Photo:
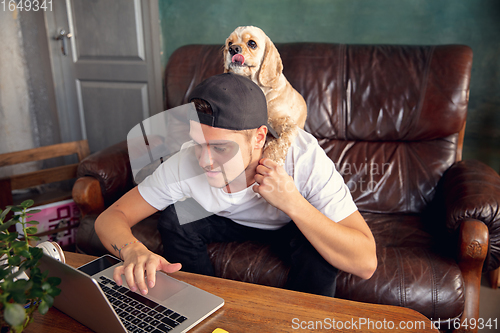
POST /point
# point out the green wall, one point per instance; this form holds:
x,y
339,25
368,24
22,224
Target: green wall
x,y
475,23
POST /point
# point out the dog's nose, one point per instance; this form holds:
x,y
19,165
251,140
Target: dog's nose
x,y
234,49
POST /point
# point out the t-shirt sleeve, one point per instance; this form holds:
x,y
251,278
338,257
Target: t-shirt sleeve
x,y
322,185
163,187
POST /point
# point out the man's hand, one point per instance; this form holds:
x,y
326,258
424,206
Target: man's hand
x,y
138,261
348,245
275,185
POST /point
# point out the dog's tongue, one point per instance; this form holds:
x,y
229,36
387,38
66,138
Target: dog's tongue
x,y
238,58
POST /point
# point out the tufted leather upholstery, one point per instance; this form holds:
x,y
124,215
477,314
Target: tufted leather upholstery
x,y
392,119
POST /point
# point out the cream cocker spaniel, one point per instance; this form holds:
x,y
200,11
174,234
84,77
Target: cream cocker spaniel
x,y
250,52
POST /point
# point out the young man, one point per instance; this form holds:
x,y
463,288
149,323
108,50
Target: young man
x,y
303,208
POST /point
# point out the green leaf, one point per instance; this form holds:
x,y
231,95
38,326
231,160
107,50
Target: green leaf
x,y
4,213
16,209
7,224
54,291
4,237
25,254
6,284
10,237
18,290
14,314
49,300
43,308
35,292
31,230
33,211
54,281
36,271
14,261
19,245
33,222
36,252
19,298
21,285
27,203
29,264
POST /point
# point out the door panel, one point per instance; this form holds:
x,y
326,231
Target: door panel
x,y
110,79
112,109
118,36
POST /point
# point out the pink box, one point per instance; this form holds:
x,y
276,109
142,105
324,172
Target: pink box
x,y
61,217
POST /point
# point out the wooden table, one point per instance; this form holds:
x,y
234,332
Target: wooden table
x,y
253,308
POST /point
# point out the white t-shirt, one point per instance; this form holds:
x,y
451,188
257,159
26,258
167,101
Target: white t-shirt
x,y
313,172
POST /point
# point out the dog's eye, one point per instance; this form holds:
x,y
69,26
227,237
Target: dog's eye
x,y
229,44
252,44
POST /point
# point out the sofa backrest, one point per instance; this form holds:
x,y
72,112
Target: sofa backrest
x,y
390,117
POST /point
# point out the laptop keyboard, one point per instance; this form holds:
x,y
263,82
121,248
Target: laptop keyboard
x,y
138,313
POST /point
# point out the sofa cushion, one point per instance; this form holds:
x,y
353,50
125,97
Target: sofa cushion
x,y
380,92
411,277
392,177
410,272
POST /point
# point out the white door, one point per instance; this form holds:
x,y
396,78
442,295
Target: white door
x,y
105,57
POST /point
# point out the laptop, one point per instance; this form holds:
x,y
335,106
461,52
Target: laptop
x,y
90,296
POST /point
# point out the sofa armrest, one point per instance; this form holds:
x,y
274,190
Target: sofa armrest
x,y
471,191
87,195
111,168
473,249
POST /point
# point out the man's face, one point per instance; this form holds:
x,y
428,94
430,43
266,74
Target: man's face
x,y
223,154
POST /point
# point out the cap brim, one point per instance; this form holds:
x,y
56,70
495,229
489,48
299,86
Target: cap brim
x,y
271,131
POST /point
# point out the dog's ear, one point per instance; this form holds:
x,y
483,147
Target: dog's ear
x,y
224,55
271,66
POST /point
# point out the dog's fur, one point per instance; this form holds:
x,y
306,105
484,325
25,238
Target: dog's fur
x,y
262,64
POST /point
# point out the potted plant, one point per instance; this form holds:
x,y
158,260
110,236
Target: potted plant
x,y
20,295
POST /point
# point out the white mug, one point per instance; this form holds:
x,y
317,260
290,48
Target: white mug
x,y
52,249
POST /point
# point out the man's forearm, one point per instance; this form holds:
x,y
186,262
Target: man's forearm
x,y
113,231
348,245
114,225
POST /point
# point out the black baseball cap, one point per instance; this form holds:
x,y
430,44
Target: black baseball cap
x,y
237,103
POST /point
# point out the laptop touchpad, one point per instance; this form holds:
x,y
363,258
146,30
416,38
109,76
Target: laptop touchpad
x,y
165,287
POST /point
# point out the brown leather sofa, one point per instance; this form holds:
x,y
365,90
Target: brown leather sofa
x,y
392,118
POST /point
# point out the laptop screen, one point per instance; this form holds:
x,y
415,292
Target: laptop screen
x,y
99,265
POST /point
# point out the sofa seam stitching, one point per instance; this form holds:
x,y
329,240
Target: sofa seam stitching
x,y
401,278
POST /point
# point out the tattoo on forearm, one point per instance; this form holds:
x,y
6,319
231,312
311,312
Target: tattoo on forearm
x,y
117,250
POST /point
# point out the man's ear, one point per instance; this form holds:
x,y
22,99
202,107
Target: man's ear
x,y
260,137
